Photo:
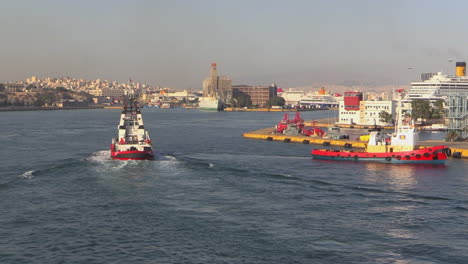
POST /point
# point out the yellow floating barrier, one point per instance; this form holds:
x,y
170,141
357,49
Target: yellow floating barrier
x,y
304,139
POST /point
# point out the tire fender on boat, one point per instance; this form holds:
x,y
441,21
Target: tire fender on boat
x,y
408,157
356,157
426,155
388,158
448,151
398,157
418,156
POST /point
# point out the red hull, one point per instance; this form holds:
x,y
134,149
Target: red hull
x,y
132,155
426,155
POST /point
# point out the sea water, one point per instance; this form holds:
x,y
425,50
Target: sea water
x,y
212,196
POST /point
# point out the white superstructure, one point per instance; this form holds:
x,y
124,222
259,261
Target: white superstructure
x,y
132,134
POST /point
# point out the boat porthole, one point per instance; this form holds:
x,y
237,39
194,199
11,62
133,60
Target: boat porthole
x,y
398,157
408,157
418,156
356,157
388,159
426,155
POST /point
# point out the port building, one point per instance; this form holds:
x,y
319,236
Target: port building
x,y
353,110
259,95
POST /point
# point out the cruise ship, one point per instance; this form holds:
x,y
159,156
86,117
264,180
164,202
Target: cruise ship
x,y
434,86
320,99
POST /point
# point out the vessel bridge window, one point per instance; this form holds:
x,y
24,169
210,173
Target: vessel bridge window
x,y
132,123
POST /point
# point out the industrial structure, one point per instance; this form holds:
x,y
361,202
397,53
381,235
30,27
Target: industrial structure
x,y
259,95
216,86
457,115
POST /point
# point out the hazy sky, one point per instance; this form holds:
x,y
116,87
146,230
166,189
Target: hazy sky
x,y
172,43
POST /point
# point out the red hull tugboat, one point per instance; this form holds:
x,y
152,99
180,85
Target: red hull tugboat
x,y
133,142
400,147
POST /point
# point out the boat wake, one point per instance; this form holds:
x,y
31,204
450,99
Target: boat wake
x,y
160,156
27,175
102,163
99,156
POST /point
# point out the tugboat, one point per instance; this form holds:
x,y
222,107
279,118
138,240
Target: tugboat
x,y
133,142
399,147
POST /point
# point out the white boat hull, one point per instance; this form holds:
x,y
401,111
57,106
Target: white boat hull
x,y
209,104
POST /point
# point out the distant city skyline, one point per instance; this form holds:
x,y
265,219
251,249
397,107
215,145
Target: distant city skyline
x,y
173,43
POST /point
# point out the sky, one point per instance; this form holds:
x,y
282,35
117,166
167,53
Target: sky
x,y
172,43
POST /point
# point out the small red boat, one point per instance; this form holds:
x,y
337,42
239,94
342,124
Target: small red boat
x,y
133,142
399,147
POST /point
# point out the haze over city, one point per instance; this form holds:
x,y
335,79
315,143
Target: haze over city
x,y
172,43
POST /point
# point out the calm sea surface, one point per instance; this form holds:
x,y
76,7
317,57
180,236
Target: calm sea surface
x,y
214,197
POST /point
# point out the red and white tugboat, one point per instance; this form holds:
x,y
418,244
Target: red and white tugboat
x,y
399,147
133,142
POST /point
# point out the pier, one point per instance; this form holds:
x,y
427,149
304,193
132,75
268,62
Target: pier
x,y
458,149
